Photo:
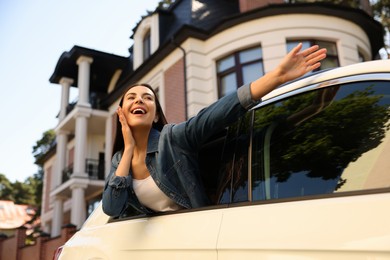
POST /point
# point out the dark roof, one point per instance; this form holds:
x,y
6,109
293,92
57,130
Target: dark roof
x,y
103,67
192,18
200,14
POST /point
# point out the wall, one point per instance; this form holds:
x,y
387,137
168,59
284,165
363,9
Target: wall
x,y
14,248
174,85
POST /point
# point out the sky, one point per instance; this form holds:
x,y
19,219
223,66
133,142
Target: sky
x,y
33,35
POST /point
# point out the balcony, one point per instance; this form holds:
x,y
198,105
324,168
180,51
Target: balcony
x,y
94,100
66,173
93,168
93,184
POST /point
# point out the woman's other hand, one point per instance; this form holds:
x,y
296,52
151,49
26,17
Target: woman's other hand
x,y
128,138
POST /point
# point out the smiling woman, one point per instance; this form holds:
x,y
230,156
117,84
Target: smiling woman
x,y
155,165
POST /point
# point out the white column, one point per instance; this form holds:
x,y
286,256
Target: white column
x,y
78,210
80,150
62,140
108,145
45,227
65,83
84,64
58,216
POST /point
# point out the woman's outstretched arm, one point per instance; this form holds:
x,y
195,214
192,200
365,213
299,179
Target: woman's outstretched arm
x,y
294,65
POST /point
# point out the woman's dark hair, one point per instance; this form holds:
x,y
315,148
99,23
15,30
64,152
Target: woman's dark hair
x,y
119,142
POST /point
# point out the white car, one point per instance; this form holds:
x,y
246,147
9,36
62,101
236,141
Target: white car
x,y
304,175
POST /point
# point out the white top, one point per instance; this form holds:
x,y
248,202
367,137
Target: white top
x,y
150,195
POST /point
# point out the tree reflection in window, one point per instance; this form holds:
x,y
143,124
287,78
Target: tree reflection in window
x,y
302,145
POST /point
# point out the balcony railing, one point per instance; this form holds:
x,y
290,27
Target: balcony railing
x,y
93,168
94,100
66,173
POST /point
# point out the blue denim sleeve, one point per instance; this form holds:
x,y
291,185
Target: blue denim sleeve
x,y
192,133
115,194
245,97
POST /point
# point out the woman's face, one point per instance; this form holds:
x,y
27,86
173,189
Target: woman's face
x,y
139,106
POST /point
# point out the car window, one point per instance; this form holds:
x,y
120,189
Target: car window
x,y
326,141
210,162
233,173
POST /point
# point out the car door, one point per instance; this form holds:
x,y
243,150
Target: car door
x,y
319,176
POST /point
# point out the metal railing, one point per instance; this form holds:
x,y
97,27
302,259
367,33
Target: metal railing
x,y
93,168
67,172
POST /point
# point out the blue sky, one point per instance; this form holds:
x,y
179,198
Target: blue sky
x,y
33,35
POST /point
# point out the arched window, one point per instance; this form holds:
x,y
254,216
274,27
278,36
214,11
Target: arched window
x,y
146,46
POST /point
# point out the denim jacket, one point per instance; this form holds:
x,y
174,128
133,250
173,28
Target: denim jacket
x,y
172,157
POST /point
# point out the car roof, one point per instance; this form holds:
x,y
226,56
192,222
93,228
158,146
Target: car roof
x,y
329,77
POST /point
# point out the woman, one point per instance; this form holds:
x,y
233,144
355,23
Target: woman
x,y
154,166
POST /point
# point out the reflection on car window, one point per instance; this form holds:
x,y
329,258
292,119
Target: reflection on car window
x,y
233,175
210,162
325,141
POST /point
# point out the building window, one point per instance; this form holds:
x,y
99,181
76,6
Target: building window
x,y
238,69
361,57
146,46
157,91
331,60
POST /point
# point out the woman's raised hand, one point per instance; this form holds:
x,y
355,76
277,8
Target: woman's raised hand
x,y
128,138
294,65
297,63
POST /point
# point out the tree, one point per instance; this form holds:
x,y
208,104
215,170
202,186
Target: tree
x,y
381,12
43,145
6,189
165,3
27,192
40,149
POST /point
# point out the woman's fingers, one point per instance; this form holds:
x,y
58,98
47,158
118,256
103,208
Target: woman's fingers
x,y
310,50
313,59
121,117
316,56
126,130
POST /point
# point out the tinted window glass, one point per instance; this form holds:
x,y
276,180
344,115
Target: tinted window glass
x,y
210,163
325,141
233,175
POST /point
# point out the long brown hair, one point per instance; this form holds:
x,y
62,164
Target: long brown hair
x,y
119,142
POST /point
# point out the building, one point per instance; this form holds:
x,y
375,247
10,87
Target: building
x,y
13,216
192,53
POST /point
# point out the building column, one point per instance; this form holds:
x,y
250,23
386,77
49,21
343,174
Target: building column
x,y
78,210
65,83
84,64
58,217
80,149
62,140
108,144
